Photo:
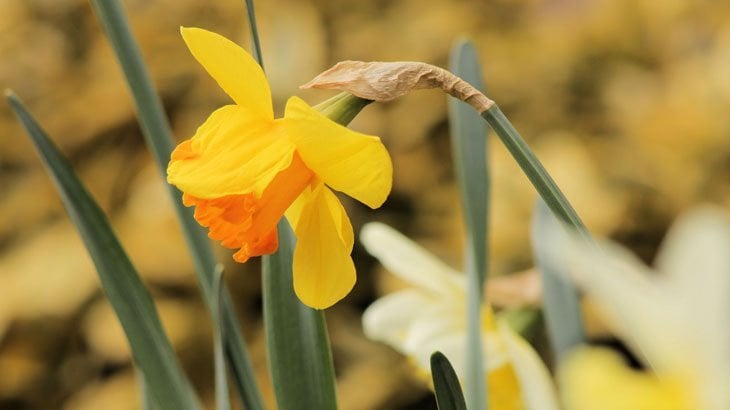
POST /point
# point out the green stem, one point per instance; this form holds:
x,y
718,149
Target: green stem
x,y
561,300
254,33
531,166
298,347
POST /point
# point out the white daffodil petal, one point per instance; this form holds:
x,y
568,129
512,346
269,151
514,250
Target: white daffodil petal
x,y
697,242
538,392
451,344
390,318
434,321
622,287
696,260
407,260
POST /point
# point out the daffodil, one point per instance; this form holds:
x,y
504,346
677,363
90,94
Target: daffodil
x,y
431,316
243,170
676,319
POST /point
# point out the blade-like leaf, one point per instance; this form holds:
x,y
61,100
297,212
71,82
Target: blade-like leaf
x,y
159,140
125,291
560,298
296,336
221,381
147,402
469,147
446,384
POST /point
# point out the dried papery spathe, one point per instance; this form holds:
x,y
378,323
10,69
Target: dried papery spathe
x,y
386,81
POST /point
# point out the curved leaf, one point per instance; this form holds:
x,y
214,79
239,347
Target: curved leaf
x,y
163,376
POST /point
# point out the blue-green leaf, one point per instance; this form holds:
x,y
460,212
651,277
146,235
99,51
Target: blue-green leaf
x,y
163,376
296,336
469,146
561,305
147,402
221,381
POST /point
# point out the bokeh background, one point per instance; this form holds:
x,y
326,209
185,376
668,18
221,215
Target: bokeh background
x,y
627,102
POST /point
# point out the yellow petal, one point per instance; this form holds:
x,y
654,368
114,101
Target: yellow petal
x,y
504,389
233,152
598,379
323,269
533,378
347,161
409,261
232,67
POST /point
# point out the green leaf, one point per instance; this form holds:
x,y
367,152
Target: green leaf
x,y
469,147
158,136
298,347
147,399
221,381
131,301
560,298
446,384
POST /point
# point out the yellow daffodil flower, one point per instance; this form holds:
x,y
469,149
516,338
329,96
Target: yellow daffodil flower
x,y
432,316
676,319
243,170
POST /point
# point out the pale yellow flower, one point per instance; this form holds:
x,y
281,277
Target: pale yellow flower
x,y
676,319
431,316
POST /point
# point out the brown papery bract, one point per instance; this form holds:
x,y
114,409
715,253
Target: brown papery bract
x,y
380,81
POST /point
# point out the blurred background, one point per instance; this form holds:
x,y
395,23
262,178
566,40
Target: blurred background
x,y
625,101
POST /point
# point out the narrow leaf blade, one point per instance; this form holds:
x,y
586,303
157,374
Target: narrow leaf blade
x,y
296,336
561,305
221,380
147,402
469,147
131,301
446,384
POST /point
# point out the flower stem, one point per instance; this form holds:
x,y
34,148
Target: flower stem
x,y
533,169
342,108
561,302
251,14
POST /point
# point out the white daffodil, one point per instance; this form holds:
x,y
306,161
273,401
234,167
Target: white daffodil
x,y
677,319
431,316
